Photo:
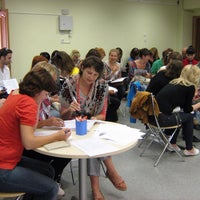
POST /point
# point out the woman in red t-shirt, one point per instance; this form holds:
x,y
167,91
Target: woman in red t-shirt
x,y
18,119
190,57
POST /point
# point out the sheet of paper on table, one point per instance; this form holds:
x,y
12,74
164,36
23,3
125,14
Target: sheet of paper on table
x,y
120,134
93,146
45,132
71,123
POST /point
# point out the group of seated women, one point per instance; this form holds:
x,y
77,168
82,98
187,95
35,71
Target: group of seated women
x,y
31,104
30,107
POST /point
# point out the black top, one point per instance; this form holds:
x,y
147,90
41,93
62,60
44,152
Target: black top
x,y
172,96
158,82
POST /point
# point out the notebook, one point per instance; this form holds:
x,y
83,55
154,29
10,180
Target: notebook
x,y
56,145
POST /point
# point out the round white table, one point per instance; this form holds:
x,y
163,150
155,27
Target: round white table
x,y
74,152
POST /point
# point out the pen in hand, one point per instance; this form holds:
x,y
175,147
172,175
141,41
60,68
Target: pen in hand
x,y
75,106
74,99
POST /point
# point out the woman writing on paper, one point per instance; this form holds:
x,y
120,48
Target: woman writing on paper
x,y
91,100
46,119
18,120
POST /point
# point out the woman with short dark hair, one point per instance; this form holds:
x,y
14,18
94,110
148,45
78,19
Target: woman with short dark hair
x,y
18,120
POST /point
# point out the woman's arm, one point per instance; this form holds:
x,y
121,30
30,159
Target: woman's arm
x,y
66,113
102,115
52,121
30,141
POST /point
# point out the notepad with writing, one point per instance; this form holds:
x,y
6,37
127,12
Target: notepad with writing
x,y
56,145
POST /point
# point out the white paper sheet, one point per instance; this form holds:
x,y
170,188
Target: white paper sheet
x,y
44,132
118,80
120,134
10,84
93,146
72,125
112,88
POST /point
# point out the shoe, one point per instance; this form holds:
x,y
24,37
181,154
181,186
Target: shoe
x,y
171,148
61,192
195,139
118,185
97,196
188,153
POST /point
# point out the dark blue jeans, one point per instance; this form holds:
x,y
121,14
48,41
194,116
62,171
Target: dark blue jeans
x,y
186,119
31,176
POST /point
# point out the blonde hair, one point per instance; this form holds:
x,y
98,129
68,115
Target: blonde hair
x,y
49,67
75,52
114,50
190,75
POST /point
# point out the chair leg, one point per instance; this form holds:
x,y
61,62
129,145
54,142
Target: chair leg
x,y
146,136
167,143
19,197
72,173
146,147
158,160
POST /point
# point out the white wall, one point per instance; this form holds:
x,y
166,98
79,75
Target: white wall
x,y
107,23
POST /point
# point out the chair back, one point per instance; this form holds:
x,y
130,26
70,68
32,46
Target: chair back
x,y
142,107
8,194
153,101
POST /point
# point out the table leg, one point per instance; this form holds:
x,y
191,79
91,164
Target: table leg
x,y
82,179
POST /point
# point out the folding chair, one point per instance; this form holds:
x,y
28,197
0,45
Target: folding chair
x,y
156,132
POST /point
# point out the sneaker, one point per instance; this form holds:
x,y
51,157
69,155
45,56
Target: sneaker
x,y
188,153
61,192
171,148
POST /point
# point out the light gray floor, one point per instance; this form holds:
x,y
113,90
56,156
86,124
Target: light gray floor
x,y
170,180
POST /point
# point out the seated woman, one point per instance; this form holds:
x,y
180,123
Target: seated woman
x,y
115,72
163,77
18,120
112,72
91,100
140,70
190,57
179,93
45,119
134,55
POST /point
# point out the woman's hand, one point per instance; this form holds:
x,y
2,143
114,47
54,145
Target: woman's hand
x,y
196,106
54,121
63,134
75,106
54,98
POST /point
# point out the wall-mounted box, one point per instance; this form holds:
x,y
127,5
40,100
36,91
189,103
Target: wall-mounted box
x,y
65,23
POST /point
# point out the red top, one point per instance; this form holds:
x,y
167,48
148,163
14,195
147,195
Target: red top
x,y
17,110
187,62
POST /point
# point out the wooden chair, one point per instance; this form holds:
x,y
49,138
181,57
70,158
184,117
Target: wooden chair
x,y
18,196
